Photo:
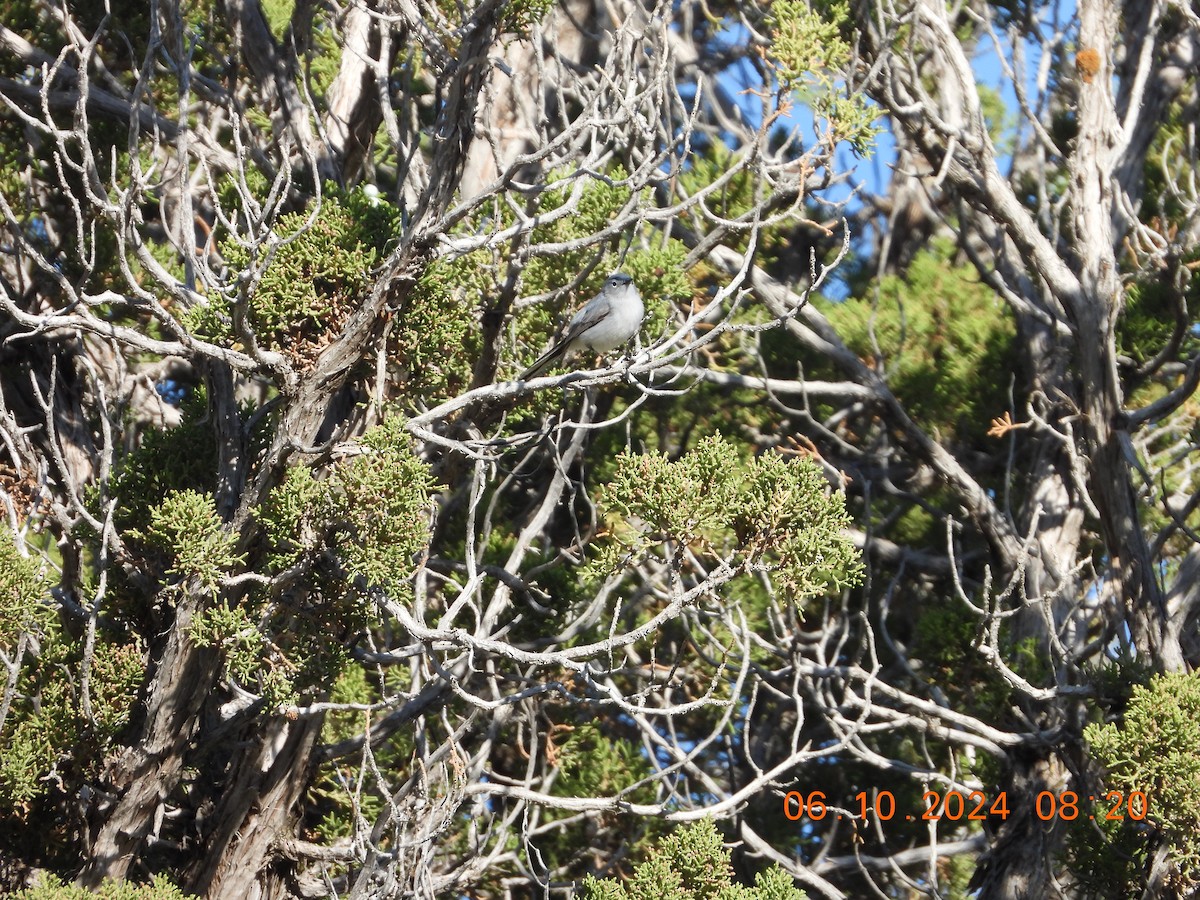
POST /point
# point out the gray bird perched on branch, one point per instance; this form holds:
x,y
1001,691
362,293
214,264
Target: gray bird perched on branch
x,y
610,319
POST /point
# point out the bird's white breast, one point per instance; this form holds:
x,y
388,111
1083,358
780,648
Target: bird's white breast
x,y
621,324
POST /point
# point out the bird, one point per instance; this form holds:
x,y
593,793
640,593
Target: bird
x,y
610,319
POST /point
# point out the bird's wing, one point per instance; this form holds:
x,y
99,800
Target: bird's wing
x,y
590,315
586,318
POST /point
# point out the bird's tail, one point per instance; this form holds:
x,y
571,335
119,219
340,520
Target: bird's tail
x,y
544,362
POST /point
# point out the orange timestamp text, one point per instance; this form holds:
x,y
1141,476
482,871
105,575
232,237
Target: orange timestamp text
x,y
974,806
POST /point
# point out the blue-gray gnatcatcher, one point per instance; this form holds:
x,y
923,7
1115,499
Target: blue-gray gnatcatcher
x,y
610,319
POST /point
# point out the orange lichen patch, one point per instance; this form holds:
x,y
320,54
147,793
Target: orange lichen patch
x,y
1087,64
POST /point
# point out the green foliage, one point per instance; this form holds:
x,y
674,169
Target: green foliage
x,y
382,500
808,52
805,43
437,337
1107,860
325,60
596,761
333,811
916,527
278,14
46,728
955,874
1156,750
691,864
594,765
247,653
256,185
1149,317
167,459
766,512
311,279
945,638
942,337
996,117
351,686
370,514
732,187
522,15
187,528
376,502
30,749
282,652
1113,680
116,676
734,198
26,18
22,592
1165,161
52,888
293,516
600,201
320,272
